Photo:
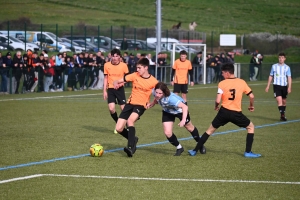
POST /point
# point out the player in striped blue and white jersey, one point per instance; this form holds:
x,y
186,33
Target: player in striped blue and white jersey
x,y
173,106
282,83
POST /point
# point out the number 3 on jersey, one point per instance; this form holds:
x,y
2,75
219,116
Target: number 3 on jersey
x,y
232,91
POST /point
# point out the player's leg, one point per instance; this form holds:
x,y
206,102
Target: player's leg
x,y
168,131
195,134
184,91
283,107
137,112
241,120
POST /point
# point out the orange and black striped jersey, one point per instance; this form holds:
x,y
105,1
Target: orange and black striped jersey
x,y
114,72
141,88
232,91
181,71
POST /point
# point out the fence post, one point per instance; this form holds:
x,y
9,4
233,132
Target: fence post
x,y
99,38
111,36
8,34
56,31
10,80
85,38
41,38
212,43
25,36
146,39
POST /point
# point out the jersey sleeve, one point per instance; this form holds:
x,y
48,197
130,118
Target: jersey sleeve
x,y
247,89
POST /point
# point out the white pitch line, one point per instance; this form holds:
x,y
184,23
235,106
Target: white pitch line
x,y
21,178
150,179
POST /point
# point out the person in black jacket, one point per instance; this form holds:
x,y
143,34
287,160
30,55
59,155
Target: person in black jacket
x,y
7,65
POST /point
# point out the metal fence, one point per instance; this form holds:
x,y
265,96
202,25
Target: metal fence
x,y
266,43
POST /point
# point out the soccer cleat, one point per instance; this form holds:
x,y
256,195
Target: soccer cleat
x,y
179,151
115,131
251,155
202,150
283,118
192,152
128,150
136,139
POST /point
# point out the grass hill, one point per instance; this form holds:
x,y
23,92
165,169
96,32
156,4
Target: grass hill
x,y
228,16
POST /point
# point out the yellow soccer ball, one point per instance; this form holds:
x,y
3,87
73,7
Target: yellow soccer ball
x,y
96,150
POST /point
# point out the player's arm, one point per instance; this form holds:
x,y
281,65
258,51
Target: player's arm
x,y
289,84
191,76
218,101
184,108
172,76
269,83
152,104
120,82
251,98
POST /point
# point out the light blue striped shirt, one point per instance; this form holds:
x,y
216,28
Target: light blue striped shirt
x,y
280,74
170,104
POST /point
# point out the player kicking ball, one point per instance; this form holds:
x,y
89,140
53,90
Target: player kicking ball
x,y
174,107
230,91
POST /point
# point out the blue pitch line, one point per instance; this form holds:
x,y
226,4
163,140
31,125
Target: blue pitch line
x,y
139,146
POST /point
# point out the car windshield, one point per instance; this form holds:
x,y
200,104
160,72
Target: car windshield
x,y
15,39
54,37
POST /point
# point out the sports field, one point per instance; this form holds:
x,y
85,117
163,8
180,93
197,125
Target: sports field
x,y
45,140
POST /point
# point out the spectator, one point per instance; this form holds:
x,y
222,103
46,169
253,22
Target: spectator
x,y
7,65
161,62
48,75
79,70
253,63
100,60
197,68
25,71
124,44
151,64
17,71
34,73
210,72
131,63
3,74
257,66
58,72
39,68
51,70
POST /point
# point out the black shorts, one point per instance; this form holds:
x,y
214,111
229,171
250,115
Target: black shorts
x,y
129,108
224,116
183,88
168,117
280,91
116,96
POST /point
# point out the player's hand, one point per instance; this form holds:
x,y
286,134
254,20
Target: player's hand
x,y
104,94
289,90
172,83
251,108
267,89
181,123
149,105
192,83
217,108
116,85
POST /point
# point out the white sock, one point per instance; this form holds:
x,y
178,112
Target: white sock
x,y
179,146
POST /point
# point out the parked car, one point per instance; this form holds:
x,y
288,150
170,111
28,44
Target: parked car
x,y
134,44
17,44
104,42
87,46
75,47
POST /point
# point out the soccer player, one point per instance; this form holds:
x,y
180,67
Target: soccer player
x,y
174,107
114,70
282,84
142,85
179,76
230,91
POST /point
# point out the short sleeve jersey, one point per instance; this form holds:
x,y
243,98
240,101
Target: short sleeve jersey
x,y
232,91
114,72
280,74
181,71
141,88
170,104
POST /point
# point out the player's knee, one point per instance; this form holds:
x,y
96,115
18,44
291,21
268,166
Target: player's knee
x,y
250,128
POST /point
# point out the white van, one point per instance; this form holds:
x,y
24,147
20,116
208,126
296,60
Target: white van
x,y
17,44
47,40
165,40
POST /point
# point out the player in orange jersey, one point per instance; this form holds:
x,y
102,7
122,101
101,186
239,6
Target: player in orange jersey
x,y
230,91
179,76
114,70
142,85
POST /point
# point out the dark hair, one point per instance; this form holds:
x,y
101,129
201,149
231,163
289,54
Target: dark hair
x,y
228,67
144,62
281,54
164,88
115,51
183,52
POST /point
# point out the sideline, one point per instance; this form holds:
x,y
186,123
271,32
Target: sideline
x,y
139,146
149,179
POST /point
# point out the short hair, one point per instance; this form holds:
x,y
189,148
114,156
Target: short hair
x,y
281,54
228,67
183,52
164,88
115,51
144,62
